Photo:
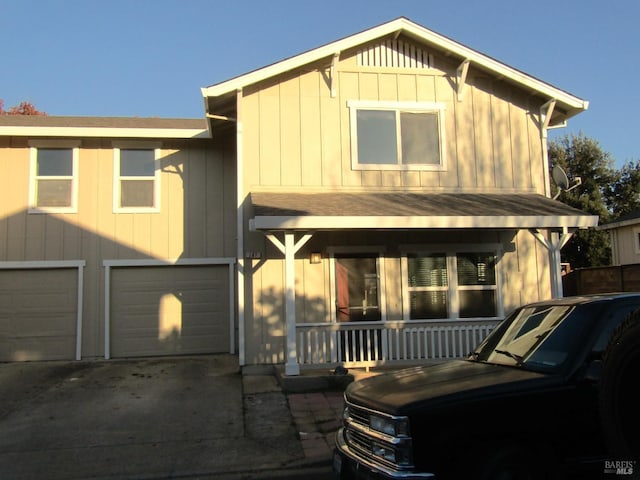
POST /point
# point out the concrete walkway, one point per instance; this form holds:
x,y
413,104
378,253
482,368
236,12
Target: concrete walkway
x,y
317,417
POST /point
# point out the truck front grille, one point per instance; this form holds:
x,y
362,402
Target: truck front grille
x,y
359,415
359,441
378,446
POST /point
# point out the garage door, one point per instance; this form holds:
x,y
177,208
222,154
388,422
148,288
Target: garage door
x,y
169,310
38,314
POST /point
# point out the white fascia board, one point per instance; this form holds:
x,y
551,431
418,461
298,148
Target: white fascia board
x,y
97,132
156,262
445,222
412,29
497,67
41,264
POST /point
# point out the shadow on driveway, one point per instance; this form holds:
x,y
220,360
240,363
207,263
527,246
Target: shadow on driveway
x,y
151,418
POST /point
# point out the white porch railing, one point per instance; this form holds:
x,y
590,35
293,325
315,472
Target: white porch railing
x,y
365,344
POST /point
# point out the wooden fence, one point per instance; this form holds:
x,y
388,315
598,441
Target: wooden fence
x,y
620,278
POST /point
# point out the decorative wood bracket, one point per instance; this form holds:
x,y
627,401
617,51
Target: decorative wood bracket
x,y
546,111
461,78
333,74
296,245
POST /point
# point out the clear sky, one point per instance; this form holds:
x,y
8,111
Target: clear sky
x,y
151,57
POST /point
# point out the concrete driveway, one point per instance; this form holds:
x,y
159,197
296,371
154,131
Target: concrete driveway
x,y
180,417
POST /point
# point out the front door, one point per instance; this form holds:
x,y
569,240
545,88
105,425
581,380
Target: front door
x,y
357,295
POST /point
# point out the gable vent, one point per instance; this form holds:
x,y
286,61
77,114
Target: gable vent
x,y
395,54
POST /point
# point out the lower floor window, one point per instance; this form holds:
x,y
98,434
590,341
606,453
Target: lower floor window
x,y
449,285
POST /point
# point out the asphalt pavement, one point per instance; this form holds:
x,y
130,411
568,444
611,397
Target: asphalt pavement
x,y
199,417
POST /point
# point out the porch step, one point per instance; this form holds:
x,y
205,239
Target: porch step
x,y
314,381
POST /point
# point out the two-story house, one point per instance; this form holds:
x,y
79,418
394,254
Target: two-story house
x,y
382,198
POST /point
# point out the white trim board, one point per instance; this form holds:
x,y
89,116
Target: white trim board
x,y
101,132
379,222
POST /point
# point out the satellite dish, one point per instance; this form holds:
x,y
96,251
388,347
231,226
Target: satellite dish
x,y
562,181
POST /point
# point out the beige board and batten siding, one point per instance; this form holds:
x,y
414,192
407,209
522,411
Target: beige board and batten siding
x,y
197,188
626,244
296,135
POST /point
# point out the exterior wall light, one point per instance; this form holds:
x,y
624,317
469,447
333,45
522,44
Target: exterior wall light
x,y
315,257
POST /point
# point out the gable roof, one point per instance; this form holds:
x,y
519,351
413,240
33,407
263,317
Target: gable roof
x,y
405,210
567,102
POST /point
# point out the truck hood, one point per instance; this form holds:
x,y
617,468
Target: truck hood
x,y
400,392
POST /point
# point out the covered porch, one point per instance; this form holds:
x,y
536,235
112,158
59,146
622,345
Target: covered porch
x,y
290,220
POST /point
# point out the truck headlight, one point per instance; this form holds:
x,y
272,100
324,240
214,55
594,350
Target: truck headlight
x,y
396,427
397,455
385,452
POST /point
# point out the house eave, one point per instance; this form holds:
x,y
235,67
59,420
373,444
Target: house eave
x,y
271,223
100,132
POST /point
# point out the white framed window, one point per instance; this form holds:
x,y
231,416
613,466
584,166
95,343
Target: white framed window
x,y
136,178
397,135
451,285
53,176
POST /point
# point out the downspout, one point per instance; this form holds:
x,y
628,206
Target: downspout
x,y
555,242
240,228
546,111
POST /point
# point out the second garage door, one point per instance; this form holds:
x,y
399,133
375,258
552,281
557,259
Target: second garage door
x,y
169,310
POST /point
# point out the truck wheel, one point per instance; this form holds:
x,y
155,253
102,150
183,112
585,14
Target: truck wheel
x,y
618,395
511,463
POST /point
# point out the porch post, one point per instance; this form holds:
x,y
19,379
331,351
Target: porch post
x,y
291,366
554,244
289,249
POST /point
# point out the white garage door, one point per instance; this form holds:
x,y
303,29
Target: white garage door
x,y
38,314
169,310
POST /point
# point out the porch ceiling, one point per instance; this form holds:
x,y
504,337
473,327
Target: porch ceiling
x,y
410,210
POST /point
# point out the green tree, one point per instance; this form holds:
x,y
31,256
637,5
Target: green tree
x,y
624,193
583,157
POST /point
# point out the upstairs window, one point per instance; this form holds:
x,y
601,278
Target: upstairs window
x,y
136,180
397,136
53,185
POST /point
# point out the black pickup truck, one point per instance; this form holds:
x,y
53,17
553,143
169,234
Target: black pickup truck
x,y
551,393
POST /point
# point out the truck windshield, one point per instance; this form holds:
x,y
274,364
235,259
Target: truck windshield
x,y
538,338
